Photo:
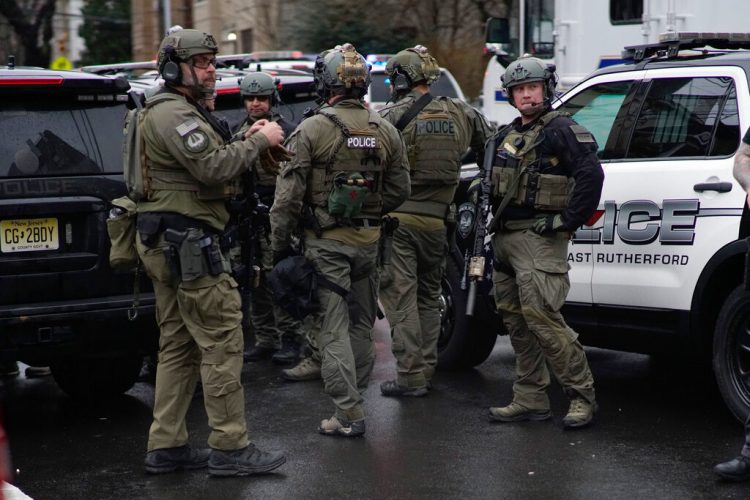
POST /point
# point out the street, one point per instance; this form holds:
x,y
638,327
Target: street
x,y
657,434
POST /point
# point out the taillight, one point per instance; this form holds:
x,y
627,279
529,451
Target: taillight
x,y
32,81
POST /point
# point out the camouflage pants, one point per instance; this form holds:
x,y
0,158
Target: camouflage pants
x,y
346,347
410,293
271,324
530,303
200,338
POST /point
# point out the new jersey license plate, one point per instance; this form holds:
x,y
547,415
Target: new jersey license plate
x,y
29,235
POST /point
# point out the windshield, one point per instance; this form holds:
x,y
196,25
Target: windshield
x,y
51,137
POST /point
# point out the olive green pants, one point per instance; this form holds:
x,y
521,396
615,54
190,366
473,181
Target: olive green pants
x,y
410,294
346,347
200,338
271,324
530,303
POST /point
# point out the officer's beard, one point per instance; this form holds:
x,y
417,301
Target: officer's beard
x,y
200,90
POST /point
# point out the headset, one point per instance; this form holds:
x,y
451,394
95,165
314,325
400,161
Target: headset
x,y
170,69
400,80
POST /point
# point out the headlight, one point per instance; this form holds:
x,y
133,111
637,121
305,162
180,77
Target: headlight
x,y
466,216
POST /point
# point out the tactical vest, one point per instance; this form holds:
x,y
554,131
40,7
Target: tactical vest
x,y
175,177
517,156
435,153
356,151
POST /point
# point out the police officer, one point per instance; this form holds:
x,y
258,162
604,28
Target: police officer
x,y
190,169
349,169
738,469
277,334
546,182
437,131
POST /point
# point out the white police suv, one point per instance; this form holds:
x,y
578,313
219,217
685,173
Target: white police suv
x,y
660,267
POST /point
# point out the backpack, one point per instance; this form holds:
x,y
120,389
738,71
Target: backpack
x,y
133,147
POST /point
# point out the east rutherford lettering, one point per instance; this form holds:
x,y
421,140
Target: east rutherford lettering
x,y
362,142
441,127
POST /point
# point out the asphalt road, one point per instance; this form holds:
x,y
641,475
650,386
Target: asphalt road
x,y
658,433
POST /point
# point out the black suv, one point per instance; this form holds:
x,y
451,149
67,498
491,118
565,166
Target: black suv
x,y
60,303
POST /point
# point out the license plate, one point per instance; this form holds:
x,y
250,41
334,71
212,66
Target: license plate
x,y
28,235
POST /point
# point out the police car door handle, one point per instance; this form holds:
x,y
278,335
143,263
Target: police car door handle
x,y
722,187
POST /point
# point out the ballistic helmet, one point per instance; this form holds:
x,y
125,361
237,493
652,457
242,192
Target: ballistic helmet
x,y
526,70
259,83
411,66
182,44
341,71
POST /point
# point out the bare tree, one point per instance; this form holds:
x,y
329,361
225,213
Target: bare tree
x,y
31,20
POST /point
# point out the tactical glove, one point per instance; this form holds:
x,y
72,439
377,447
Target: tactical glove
x,y
548,224
271,158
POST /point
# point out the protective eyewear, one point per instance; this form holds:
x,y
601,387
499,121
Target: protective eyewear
x,y
203,62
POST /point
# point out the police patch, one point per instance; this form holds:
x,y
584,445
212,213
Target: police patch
x,y
362,142
582,135
196,141
435,127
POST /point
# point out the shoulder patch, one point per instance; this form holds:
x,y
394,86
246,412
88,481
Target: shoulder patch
x,y
582,135
186,127
196,141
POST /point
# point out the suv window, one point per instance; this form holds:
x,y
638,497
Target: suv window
x,y
54,136
684,117
597,107
380,90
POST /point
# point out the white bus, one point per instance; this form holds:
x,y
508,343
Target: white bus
x,y
579,36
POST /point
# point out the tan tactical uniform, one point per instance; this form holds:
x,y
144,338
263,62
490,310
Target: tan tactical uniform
x,y
344,255
436,140
270,323
191,170
546,167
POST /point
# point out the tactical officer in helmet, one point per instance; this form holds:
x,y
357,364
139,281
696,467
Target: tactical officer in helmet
x,y
349,169
190,171
277,335
546,182
437,131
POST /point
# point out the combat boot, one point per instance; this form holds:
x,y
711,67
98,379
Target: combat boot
x,y
737,469
259,353
580,414
335,426
8,369
288,354
307,369
243,462
394,389
515,412
171,459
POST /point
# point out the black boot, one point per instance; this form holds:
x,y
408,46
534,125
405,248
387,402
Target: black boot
x,y
288,354
171,459
244,461
259,352
737,469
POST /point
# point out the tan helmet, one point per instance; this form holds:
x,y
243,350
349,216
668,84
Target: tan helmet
x,y
259,83
412,66
180,46
341,71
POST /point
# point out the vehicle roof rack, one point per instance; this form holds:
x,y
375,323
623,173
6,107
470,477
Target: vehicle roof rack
x,y
672,42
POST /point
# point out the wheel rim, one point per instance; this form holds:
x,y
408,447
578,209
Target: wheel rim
x,y
445,303
739,359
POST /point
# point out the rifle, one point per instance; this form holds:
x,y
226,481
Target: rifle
x,y
482,211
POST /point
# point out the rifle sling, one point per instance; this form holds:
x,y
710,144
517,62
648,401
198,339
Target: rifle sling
x,y
413,111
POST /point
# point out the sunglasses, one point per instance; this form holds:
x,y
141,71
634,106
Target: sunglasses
x,y
203,62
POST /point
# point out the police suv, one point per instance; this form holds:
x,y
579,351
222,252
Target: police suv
x,y
659,267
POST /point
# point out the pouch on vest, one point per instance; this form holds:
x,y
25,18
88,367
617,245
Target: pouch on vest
x,y
294,283
348,195
133,154
121,229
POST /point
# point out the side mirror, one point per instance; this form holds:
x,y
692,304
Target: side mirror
x,y
497,30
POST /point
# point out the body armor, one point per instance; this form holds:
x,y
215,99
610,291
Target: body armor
x,y
518,171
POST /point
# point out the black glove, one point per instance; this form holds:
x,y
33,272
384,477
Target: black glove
x,y
548,224
283,254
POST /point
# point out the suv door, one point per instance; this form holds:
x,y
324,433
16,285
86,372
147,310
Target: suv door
x,y
669,199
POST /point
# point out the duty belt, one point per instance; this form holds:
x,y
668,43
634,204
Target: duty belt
x,y
426,207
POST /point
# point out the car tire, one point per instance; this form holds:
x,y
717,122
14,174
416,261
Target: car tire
x,y
731,352
464,341
95,379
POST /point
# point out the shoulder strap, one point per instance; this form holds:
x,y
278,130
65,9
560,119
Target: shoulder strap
x,y
413,111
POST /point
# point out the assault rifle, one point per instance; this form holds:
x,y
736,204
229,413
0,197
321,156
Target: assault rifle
x,y
476,260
